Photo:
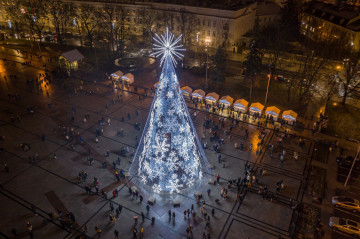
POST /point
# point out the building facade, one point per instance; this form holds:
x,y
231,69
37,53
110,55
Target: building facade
x,y
323,22
210,25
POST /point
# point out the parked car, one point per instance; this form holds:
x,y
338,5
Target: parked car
x,y
345,225
279,78
88,43
347,161
346,203
49,38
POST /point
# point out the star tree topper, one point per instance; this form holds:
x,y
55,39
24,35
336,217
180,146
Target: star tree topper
x,y
166,45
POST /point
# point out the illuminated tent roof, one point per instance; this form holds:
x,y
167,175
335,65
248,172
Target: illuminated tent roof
x,y
72,56
256,107
186,90
198,93
117,74
272,110
212,96
289,115
128,77
226,100
241,103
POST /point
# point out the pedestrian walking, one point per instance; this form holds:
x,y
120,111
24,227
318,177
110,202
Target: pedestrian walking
x,y
120,208
98,232
142,233
6,168
116,234
142,216
134,232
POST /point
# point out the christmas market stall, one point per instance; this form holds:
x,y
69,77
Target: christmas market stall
x,y
212,98
128,78
116,75
226,101
69,61
241,105
272,111
289,116
256,108
198,94
186,91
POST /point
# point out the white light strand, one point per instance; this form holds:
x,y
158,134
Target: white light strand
x,y
165,45
169,154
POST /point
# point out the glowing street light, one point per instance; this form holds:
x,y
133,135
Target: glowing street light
x,y
267,89
207,43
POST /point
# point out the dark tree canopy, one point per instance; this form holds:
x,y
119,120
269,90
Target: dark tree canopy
x,y
253,61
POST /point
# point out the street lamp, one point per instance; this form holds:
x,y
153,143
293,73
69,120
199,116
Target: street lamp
x,y
207,42
267,89
352,166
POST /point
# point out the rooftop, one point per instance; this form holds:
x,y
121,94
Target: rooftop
x,y
73,55
232,5
345,16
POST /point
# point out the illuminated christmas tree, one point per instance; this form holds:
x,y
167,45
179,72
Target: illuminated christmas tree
x,y
169,157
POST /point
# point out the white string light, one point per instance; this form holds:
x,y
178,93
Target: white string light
x,y
165,45
169,157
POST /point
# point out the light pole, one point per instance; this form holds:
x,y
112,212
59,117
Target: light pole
x,y
352,166
207,41
267,89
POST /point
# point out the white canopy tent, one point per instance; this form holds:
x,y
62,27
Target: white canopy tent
x,y
256,108
212,98
186,91
128,78
156,84
241,105
272,111
198,94
226,101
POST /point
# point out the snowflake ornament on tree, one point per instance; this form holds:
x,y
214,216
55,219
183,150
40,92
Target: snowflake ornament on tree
x,y
169,157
